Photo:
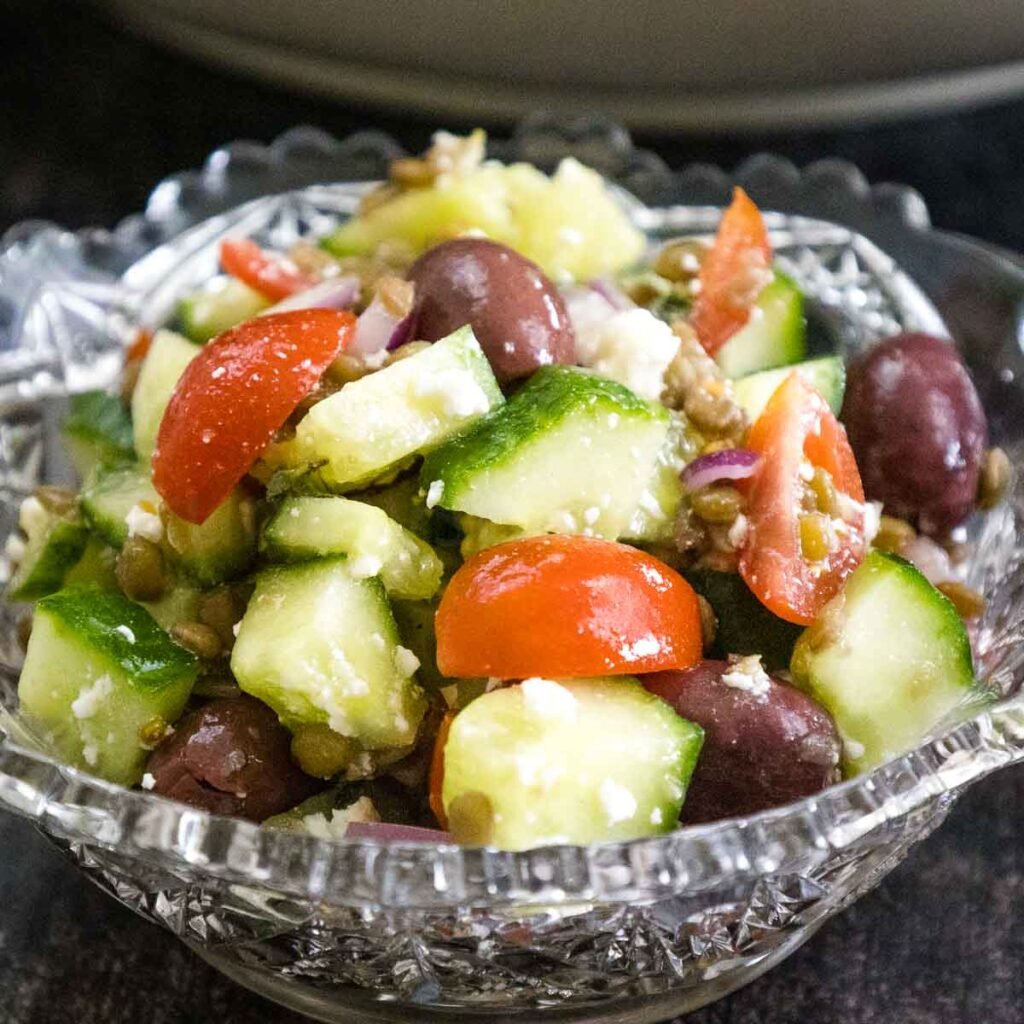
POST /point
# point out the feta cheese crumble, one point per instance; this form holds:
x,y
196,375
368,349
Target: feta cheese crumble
x,y
334,824
142,521
126,632
89,699
31,515
738,531
547,698
748,674
405,661
435,492
148,781
618,803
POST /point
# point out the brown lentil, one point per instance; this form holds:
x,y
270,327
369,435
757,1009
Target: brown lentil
x,y
717,504
680,259
690,533
471,818
220,609
404,351
154,732
24,630
312,259
412,172
815,536
57,500
140,570
994,478
129,378
198,638
893,534
216,685
321,752
967,601
708,621
395,294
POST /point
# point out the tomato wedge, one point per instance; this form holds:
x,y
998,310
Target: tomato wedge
x,y
795,434
562,607
234,396
274,276
733,274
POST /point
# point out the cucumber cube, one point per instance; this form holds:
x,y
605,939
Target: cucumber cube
x,y
570,453
888,658
827,376
98,430
220,548
55,541
161,370
574,761
319,646
377,423
375,545
98,670
222,304
111,493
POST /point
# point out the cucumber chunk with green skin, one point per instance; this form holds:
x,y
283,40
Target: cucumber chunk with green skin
x,y
571,452
111,493
217,307
97,430
178,604
161,370
98,669
826,375
744,625
376,424
888,658
55,542
374,545
95,568
321,647
575,761
222,547
775,334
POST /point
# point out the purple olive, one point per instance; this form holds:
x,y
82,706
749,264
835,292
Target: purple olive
x,y
761,749
516,313
230,756
917,429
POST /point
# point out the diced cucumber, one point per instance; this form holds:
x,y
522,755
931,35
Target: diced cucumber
x,y
888,657
180,603
99,669
163,366
575,761
826,375
744,625
111,494
775,335
571,452
375,424
96,566
319,646
480,534
98,430
220,548
56,538
374,545
222,304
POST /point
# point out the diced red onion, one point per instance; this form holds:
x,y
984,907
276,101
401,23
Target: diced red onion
x,y
611,293
729,464
931,560
402,334
332,293
385,832
374,330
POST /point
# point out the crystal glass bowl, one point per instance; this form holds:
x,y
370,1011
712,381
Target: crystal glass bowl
x,y
628,931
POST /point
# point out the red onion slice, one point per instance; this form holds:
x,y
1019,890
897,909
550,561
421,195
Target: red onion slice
x,y
930,560
402,334
332,293
384,832
729,464
374,330
611,293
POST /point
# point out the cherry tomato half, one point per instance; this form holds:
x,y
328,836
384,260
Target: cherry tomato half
x,y
562,607
795,434
733,274
233,397
271,275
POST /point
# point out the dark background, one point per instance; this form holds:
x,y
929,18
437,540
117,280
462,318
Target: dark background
x,y
90,119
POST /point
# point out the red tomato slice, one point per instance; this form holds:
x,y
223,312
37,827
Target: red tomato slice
x,y
273,276
733,274
797,427
139,347
234,396
562,607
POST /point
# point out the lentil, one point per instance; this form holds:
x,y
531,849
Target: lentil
x,y
58,500
471,818
680,259
220,609
967,601
140,570
198,638
893,534
24,630
994,478
321,752
154,732
708,621
216,686
717,504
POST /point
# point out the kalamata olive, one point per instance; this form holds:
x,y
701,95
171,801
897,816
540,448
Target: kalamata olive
x,y
764,746
516,313
917,429
230,756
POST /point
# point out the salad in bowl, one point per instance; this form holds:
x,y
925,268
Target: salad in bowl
x,y
481,520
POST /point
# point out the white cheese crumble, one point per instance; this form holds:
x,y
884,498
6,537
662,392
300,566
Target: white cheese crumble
x,y
91,754
148,781
14,548
435,492
547,698
236,629
748,674
364,566
738,531
126,632
405,661
618,803
631,346
32,515
144,522
89,699
334,825
457,392
852,748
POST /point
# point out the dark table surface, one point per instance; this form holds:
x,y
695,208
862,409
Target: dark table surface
x,y
89,120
